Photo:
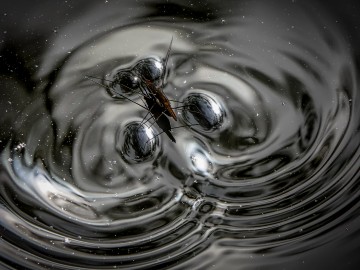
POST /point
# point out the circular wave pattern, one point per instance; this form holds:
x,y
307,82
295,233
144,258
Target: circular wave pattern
x,y
264,157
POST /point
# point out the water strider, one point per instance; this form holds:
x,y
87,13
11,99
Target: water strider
x,y
152,74
147,78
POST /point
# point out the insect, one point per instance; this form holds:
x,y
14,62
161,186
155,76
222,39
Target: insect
x,y
148,75
152,75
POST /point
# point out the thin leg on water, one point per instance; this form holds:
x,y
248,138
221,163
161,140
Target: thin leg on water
x,y
112,91
171,129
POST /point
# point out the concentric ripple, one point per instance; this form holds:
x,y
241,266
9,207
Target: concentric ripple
x,y
264,157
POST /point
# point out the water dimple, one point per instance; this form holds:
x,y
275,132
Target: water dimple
x,y
123,82
137,142
204,111
150,70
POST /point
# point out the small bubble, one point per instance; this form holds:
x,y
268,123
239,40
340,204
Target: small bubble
x,y
20,146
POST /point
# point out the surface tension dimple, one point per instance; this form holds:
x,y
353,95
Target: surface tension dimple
x,y
137,142
204,111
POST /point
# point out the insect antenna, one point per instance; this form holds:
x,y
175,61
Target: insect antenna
x,y
166,60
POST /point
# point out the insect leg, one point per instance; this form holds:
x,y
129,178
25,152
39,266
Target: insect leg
x,y
112,91
181,108
170,130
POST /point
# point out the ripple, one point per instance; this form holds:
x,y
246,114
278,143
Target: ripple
x,y
262,157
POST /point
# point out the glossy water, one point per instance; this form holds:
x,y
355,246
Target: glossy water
x,y
266,176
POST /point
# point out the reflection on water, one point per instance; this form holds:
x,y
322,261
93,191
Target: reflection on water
x,y
261,168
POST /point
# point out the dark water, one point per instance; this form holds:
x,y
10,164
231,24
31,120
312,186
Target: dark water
x,y
266,177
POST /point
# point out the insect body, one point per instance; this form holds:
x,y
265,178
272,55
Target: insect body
x,y
159,114
161,100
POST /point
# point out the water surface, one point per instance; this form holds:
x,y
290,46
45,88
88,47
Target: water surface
x,y
265,176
